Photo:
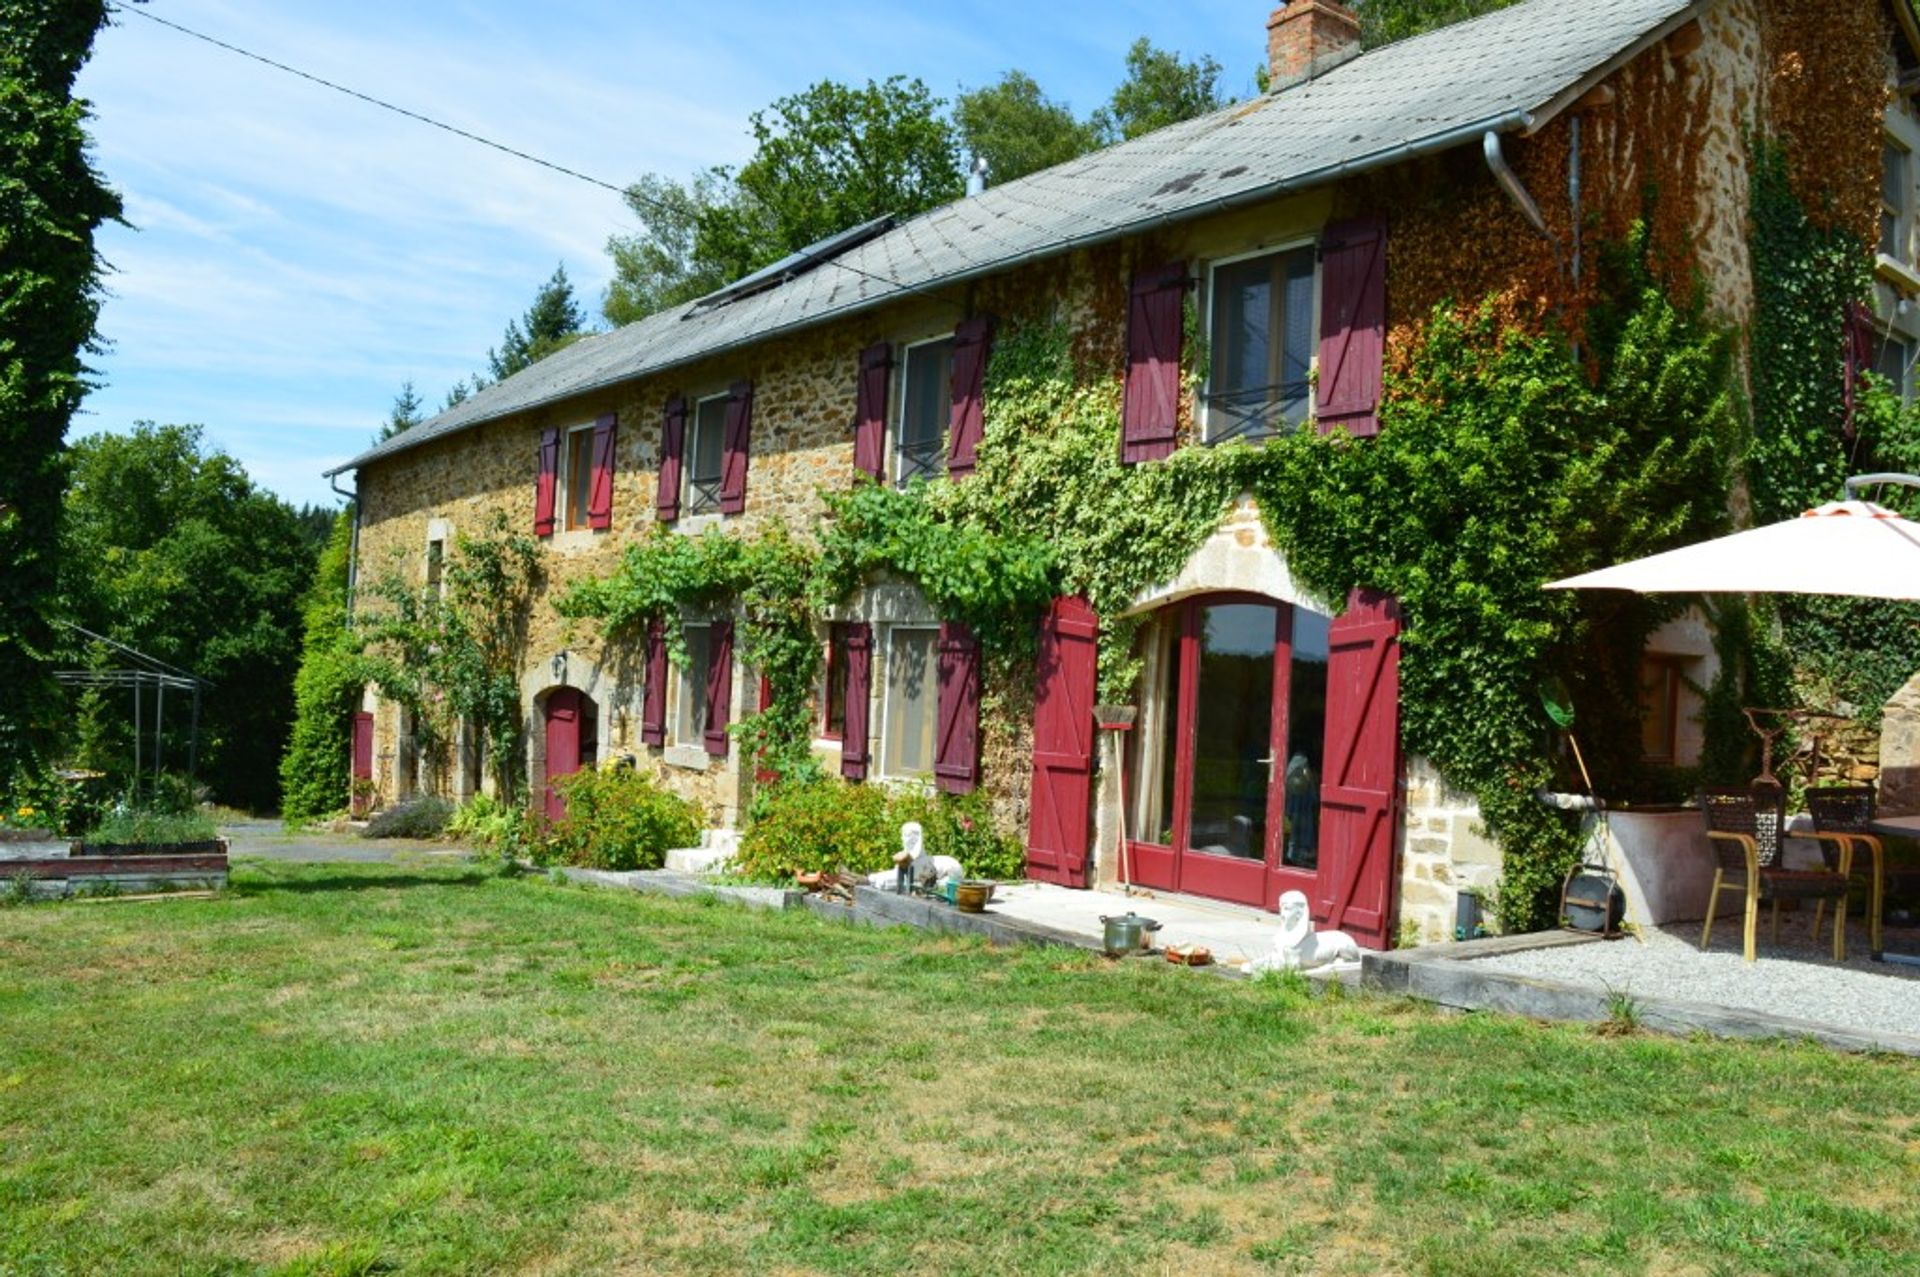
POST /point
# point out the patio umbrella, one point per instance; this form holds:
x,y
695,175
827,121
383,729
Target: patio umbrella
x,y
1847,547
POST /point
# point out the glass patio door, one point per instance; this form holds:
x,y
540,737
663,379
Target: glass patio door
x,y
1226,775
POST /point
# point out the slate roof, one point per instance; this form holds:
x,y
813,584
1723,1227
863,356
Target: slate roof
x,y
1506,71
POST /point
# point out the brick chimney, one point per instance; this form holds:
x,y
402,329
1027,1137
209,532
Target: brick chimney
x,y
1308,38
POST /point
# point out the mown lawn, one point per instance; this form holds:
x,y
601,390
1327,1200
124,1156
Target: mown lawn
x,y
361,1069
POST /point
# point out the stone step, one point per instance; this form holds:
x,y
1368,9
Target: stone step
x,y
716,849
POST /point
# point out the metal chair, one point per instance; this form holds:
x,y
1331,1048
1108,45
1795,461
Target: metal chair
x,y
1745,828
1845,813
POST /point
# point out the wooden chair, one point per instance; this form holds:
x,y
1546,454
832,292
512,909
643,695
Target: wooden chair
x,y
1745,827
1844,813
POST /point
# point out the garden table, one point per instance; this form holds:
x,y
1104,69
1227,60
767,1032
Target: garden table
x,y
1897,827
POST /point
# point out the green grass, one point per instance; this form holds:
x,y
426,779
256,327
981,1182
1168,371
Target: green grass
x,y
360,1069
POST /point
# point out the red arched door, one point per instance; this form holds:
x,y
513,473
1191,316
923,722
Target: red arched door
x,y
569,735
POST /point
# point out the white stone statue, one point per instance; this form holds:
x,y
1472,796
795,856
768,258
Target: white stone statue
x,y
925,870
1299,947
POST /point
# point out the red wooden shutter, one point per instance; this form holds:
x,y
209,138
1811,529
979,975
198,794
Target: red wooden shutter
x,y
870,411
763,774
544,483
1063,744
563,746
362,765
1353,324
733,467
853,732
967,421
673,438
1360,790
719,689
1150,415
956,752
600,495
653,708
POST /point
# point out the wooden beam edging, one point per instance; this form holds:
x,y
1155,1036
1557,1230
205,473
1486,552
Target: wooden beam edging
x,y
115,866
1450,980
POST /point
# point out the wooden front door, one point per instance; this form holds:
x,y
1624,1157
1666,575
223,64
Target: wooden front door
x,y
360,786
564,715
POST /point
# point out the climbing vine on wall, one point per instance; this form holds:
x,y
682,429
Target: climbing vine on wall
x,y
448,656
772,579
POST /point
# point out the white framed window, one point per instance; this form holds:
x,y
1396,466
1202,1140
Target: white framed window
x,y
910,701
578,469
1896,200
437,568
1260,334
1893,359
690,686
706,454
926,399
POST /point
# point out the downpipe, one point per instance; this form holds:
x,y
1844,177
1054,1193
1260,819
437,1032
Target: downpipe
x,y
353,545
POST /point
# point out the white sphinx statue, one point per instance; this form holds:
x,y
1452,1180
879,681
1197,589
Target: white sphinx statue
x,y
1299,947
922,870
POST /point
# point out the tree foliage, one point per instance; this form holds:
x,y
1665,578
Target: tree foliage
x,y
51,203
825,159
1384,21
1160,88
315,769
406,413
657,267
552,321
169,547
1017,129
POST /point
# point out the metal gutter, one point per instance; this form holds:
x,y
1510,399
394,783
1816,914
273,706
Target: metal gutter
x,y
1507,121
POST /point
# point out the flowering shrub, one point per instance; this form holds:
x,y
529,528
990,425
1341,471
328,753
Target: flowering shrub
x,y
831,825
618,820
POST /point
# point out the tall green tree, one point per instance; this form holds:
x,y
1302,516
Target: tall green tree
x,y
1160,88
170,548
314,771
51,203
554,320
1018,129
829,158
658,268
406,413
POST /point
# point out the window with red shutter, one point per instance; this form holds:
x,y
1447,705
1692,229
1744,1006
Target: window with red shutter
x,y
546,481
600,486
1150,412
858,712
1353,322
653,709
733,474
673,437
870,410
719,689
967,421
1259,344
956,760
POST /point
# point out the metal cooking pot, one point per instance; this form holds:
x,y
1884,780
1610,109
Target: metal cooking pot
x,y
1126,933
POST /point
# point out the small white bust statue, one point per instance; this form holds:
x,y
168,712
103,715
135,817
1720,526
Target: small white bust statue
x,y
925,870
1299,947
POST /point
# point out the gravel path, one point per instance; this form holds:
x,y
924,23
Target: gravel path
x,y
1794,977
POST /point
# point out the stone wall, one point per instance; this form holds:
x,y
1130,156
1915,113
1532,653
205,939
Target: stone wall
x,y
1445,851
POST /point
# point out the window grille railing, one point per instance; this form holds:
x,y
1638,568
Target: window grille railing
x,y
925,458
703,494
1255,413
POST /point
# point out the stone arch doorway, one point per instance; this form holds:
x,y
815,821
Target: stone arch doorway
x,y
571,736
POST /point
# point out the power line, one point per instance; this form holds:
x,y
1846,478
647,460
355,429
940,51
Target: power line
x,y
369,98
632,194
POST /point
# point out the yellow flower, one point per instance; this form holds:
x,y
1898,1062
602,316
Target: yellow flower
x,y
24,812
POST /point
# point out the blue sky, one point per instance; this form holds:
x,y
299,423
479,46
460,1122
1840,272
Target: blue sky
x,y
295,255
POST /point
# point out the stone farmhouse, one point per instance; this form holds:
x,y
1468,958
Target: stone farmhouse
x,y
1237,276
